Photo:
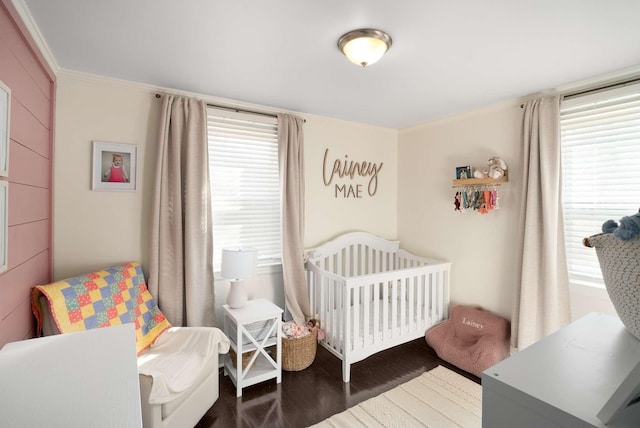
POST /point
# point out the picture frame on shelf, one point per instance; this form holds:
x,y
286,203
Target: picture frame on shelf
x,y
5,121
114,166
463,172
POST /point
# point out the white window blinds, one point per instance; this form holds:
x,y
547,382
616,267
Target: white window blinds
x,y
243,169
600,136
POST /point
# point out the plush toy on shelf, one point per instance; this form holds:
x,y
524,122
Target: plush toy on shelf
x,y
495,169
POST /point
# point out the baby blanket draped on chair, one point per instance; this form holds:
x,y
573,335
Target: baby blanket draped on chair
x,y
176,358
113,296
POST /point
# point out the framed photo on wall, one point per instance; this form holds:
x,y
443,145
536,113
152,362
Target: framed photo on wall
x,y
5,112
4,223
114,166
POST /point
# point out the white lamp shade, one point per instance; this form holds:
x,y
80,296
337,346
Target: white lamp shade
x,y
239,262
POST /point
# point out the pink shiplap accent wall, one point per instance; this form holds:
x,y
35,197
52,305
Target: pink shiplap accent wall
x,y
32,84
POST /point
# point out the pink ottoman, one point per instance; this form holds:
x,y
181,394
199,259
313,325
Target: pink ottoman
x,y
472,339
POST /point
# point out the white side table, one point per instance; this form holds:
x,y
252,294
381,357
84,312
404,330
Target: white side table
x,y
254,327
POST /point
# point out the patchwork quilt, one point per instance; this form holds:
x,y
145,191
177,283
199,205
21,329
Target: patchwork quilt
x,y
113,296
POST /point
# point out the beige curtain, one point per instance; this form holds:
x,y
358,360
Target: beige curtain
x,y
542,301
291,161
181,265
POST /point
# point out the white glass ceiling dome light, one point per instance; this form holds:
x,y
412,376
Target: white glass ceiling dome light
x,y
365,46
238,264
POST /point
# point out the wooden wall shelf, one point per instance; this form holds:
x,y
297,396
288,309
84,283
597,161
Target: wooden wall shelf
x,y
479,181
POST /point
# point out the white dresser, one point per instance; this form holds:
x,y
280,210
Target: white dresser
x,y
580,376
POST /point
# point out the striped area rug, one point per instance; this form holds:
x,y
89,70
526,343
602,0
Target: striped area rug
x,y
439,398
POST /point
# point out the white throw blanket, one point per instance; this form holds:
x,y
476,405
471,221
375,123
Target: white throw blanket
x,y
177,357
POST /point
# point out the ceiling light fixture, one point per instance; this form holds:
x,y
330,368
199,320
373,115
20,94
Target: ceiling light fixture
x,y
365,46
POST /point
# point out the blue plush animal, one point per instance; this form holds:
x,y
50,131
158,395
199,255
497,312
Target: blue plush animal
x,y
628,228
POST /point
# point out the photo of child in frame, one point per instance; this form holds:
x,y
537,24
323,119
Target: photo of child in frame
x,y
117,167
463,172
114,166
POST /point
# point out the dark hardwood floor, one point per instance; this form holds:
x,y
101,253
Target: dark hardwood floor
x,y
307,397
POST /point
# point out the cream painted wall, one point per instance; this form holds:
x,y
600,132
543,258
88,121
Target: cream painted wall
x,y
96,229
328,215
483,249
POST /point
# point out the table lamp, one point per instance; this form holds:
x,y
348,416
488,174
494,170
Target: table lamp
x,y
238,264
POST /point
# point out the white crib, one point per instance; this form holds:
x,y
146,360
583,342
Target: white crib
x,y
369,295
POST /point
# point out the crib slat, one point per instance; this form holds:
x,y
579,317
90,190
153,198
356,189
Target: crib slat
x,y
355,316
441,295
376,312
394,308
330,265
366,318
326,310
412,322
384,311
346,320
340,319
399,305
402,306
385,262
438,294
334,301
418,303
424,293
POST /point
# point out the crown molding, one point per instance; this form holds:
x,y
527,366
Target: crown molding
x,y
454,117
105,80
613,78
31,26
65,73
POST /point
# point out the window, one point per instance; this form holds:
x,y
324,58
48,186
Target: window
x,y
600,136
245,188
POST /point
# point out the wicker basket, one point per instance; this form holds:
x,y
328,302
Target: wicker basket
x,y
620,265
299,353
246,357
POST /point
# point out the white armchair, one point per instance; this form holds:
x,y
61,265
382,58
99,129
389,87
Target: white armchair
x,y
186,409
179,376
177,366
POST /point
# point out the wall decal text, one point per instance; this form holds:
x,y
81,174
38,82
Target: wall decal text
x,y
348,169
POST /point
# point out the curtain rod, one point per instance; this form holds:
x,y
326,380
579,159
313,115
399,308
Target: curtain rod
x,y
602,88
237,110
599,88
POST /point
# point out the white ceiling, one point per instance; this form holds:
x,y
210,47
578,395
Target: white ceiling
x,y
448,56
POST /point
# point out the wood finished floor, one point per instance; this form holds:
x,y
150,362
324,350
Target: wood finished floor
x,y
312,395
